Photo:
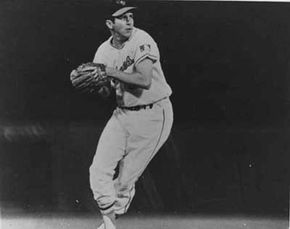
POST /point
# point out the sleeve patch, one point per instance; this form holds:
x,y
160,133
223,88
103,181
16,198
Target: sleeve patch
x,y
145,48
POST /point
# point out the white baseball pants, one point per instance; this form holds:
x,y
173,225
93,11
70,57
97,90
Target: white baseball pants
x,y
130,138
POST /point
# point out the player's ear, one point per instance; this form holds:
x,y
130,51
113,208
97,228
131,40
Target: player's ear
x,y
109,24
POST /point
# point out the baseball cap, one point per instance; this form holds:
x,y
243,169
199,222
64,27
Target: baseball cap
x,y
120,7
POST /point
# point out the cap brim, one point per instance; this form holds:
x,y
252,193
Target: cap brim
x,y
123,10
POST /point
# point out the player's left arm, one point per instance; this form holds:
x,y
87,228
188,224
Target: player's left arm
x,y
141,77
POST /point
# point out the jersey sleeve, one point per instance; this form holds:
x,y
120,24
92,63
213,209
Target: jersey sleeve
x,y
98,58
146,48
100,55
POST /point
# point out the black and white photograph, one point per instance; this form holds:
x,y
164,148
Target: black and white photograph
x,y
142,114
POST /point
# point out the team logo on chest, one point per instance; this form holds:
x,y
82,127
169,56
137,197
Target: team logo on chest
x,y
128,62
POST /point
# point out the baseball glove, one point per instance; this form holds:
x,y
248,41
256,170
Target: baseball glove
x,y
90,78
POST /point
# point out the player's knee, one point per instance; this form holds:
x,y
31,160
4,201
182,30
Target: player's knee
x,y
100,175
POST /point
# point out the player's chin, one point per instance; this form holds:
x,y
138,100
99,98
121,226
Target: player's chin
x,y
127,34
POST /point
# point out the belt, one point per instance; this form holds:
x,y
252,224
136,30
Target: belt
x,y
139,107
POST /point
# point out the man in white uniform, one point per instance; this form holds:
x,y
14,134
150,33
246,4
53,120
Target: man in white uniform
x,y
142,120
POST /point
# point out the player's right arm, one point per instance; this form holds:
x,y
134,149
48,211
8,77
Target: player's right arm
x,y
141,77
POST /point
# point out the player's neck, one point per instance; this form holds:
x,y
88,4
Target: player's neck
x,y
118,42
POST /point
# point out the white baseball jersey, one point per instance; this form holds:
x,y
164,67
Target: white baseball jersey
x,y
139,46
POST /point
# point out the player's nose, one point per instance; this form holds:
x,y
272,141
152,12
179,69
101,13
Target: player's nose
x,y
129,22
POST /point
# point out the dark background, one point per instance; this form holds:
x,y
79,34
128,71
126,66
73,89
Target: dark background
x,y
228,64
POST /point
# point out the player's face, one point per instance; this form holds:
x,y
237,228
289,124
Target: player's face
x,y
123,25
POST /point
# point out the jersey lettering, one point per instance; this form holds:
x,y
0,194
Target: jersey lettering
x,y
128,62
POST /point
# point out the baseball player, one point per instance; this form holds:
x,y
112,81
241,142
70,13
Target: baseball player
x,y
142,120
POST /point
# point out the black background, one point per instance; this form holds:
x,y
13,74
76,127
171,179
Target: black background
x,y
228,64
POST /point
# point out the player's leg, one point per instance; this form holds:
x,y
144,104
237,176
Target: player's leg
x,y
148,132
108,221
110,150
